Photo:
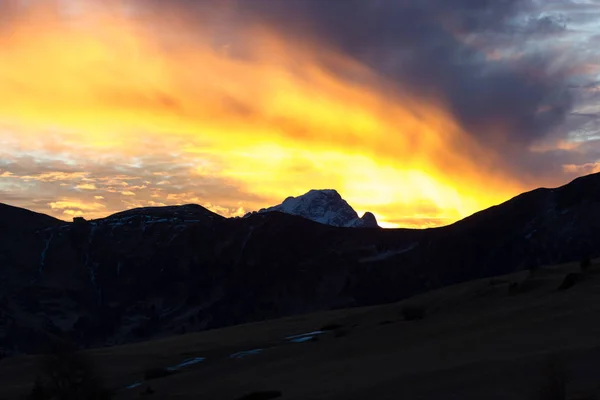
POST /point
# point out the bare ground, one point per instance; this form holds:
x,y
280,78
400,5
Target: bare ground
x,y
486,339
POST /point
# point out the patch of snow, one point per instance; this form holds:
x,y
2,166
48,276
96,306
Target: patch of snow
x,y
309,334
302,339
134,385
164,313
242,354
324,206
115,224
88,261
246,239
125,220
187,363
388,254
175,236
44,252
92,268
528,236
160,221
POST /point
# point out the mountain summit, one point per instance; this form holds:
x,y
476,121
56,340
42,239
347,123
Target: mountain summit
x,y
325,206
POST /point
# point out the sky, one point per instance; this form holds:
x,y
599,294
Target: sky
x,y
422,112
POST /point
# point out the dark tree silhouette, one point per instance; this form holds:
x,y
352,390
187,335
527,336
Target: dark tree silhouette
x,y
585,263
67,374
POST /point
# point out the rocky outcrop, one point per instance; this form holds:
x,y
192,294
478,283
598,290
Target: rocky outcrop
x,y
326,207
368,220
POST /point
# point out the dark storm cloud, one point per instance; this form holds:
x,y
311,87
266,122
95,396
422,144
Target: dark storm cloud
x,y
483,58
444,47
513,72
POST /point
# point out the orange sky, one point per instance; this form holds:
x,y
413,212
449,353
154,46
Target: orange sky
x,y
102,111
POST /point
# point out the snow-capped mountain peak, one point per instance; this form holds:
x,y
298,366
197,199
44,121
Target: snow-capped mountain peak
x,y
325,206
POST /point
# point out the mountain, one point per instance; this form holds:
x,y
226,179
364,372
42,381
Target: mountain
x,y
155,272
326,207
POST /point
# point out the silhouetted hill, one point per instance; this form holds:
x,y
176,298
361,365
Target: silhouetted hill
x,y
159,271
20,218
490,338
188,212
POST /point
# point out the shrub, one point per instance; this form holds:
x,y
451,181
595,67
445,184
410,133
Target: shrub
x,y
266,395
513,288
38,392
331,327
553,385
67,374
156,373
413,313
570,281
149,391
585,263
340,332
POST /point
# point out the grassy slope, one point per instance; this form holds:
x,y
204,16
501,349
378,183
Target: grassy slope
x,y
477,341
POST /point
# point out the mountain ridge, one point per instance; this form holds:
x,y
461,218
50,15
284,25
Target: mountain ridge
x,y
154,272
174,208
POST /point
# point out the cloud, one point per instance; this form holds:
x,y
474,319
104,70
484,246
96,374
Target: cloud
x,y
68,205
504,68
111,186
237,104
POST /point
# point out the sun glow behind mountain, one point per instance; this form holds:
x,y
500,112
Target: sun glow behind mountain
x,y
119,108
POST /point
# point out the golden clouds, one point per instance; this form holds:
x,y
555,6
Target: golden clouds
x,y
267,118
76,208
583,169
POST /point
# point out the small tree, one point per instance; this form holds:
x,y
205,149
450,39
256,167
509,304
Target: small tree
x,y
555,376
413,313
67,374
570,280
267,395
38,392
157,373
585,263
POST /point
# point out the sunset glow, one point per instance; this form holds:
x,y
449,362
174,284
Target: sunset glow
x,y
122,109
